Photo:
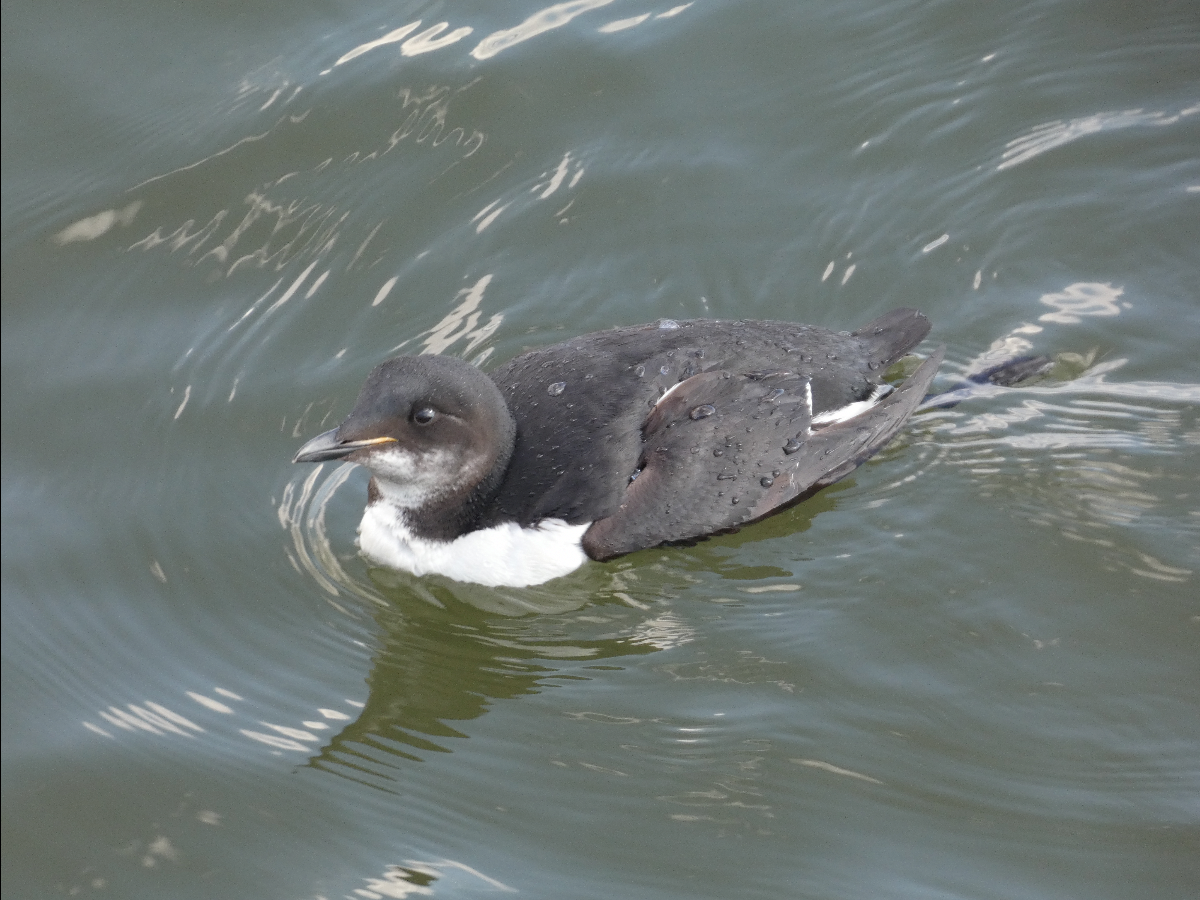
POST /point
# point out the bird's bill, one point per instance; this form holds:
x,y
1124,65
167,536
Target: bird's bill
x,y
326,446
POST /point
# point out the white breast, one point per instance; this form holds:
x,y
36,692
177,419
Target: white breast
x,y
504,555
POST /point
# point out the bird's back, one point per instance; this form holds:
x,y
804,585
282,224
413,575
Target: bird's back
x,y
580,406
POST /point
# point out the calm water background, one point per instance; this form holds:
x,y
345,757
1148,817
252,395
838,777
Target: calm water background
x,y
969,671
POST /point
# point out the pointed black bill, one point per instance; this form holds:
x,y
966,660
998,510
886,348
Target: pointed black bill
x,y
326,446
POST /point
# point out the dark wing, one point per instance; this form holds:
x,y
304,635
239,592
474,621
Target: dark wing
x,y
725,449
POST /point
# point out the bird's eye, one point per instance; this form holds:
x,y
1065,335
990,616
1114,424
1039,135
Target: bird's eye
x,y
423,415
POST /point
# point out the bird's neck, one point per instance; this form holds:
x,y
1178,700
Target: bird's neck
x,y
455,508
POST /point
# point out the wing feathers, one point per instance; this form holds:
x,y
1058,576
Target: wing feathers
x,y
725,449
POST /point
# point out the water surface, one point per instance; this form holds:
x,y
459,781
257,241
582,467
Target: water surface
x,y
967,671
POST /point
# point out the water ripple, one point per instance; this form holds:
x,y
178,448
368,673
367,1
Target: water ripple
x,y
1049,135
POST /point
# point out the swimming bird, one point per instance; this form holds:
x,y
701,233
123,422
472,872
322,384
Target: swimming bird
x,y
615,441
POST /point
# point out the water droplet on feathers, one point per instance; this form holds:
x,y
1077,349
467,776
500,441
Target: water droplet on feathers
x,y
557,388
702,412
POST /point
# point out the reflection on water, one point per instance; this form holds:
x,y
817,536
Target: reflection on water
x,y
443,653
462,322
151,717
302,512
546,185
1081,299
92,227
1084,457
633,21
1056,134
548,19
540,22
1072,449
279,224
437,667
417,879
427,41
436,662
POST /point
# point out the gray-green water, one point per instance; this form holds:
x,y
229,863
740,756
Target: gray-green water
x,y
969,671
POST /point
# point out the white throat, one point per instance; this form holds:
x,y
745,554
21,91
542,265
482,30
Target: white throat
x,y
408,480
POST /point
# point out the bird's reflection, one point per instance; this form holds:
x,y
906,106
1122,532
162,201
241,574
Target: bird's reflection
x,y
447,651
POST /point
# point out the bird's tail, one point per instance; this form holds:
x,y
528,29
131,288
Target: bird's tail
x,y
892,335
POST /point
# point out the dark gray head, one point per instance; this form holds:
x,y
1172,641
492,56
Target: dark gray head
x,y
436,434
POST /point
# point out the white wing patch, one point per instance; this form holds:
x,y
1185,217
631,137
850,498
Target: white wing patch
x,y
504,555
669,391
850,410
830,416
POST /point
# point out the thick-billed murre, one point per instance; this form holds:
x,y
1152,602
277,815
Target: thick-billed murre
x,y
616,441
